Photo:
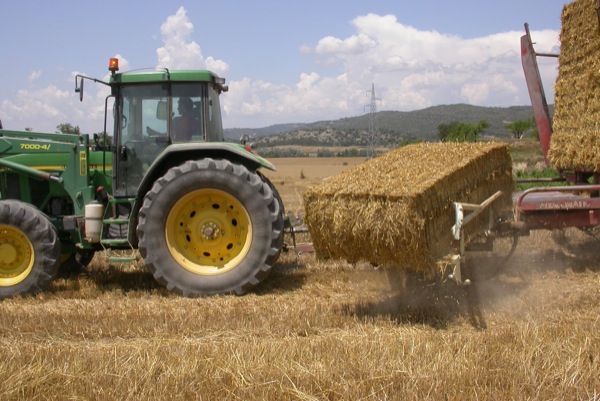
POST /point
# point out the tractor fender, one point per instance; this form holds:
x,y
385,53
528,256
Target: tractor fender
x,y
177,154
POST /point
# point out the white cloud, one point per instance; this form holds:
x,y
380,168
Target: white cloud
x,y
179,51
411,69
307,80
305,49
475,92
31,107
353,45
34,76
45,108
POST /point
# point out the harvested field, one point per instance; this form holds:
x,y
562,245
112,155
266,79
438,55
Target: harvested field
x,y
294,176
316,330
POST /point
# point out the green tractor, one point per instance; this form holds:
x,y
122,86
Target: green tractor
x,y
202,215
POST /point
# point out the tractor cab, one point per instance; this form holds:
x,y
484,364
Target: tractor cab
x,y
153,109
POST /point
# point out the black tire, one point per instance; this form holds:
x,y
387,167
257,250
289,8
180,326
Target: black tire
x,y
210,227
29,249
281,208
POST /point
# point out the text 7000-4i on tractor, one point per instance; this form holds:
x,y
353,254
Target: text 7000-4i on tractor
x,y
204,218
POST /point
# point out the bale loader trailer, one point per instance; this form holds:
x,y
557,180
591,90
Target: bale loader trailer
x,y
575,203
203,217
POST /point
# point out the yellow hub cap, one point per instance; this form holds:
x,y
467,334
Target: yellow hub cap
x,y
208,232
16,256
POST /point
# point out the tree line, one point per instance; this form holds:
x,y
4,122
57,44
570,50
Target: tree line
x,y
458,131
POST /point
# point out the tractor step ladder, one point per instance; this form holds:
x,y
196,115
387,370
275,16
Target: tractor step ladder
x,y
121,241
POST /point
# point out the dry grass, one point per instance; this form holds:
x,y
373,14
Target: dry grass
x,y
313,331
292,187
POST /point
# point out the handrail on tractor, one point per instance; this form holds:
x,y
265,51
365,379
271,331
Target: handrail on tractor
x,y
38,174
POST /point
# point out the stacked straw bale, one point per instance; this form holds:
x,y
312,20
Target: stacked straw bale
x,y
575,142
397,210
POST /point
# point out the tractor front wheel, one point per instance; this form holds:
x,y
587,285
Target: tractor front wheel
x,y
210,227
29,249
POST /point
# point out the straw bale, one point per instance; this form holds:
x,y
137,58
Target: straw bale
x,y
396,209
576,125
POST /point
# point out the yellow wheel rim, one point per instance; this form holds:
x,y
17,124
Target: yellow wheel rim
x,y
16,256
208,232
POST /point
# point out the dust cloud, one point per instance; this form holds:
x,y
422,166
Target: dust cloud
x,y
527,283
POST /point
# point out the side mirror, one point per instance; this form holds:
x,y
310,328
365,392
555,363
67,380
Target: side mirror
x,y
79,88
161,110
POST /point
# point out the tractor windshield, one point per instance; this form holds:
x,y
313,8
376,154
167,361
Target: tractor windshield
x,y
146,112
186,123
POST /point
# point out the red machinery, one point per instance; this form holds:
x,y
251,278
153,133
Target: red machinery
x,y
576,204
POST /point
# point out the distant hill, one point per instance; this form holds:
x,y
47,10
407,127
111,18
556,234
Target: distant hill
x,y
394,127
236,133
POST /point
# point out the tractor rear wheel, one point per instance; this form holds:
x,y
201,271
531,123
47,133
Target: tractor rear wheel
x,y
210,227
29,249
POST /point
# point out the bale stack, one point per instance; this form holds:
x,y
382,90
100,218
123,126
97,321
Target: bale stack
x,y
396,209
576,138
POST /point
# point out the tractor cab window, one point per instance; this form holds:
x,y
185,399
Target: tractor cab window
x,y
140,115
215,126
142,128
186,124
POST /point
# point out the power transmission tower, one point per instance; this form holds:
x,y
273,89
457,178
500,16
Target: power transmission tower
x,y
373,129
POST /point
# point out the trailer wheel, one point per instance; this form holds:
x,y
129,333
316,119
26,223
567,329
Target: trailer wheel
x,y
210,227
29,249
484,266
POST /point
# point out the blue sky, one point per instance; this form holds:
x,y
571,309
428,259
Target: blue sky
x,y
284,61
